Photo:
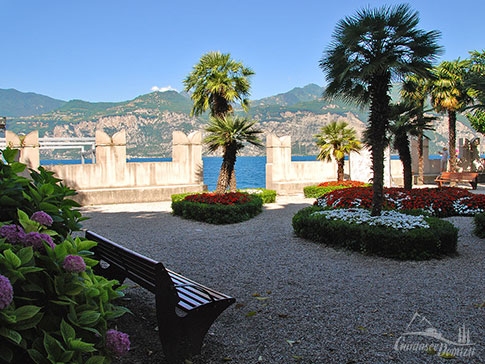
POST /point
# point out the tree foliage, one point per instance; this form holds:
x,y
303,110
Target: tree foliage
x,y
368,51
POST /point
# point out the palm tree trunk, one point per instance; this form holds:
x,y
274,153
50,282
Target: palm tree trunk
x,y
452,141
232,181
379,122
340,169
227,168
420,159
402,145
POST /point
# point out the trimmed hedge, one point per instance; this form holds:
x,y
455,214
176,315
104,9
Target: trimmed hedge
x,y
479,221
416,244
317,191
268,196
218,214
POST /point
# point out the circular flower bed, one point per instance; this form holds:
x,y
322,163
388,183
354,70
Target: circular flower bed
x,y
326,187
394,235
441,202
227,208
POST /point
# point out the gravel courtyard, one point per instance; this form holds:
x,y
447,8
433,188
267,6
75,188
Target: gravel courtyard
x,y
297,301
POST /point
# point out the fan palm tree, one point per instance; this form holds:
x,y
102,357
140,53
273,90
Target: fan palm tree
x,y
230,133
218,82
336,140
407,120
475,80
415,90
368,51
450,94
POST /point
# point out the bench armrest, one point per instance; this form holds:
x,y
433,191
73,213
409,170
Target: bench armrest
x,y
198,287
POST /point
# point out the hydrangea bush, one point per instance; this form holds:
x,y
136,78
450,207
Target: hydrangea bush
x,y
53,308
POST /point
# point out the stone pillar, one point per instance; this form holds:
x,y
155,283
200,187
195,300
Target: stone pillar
x,y
111,155
28,146
278,159
187,152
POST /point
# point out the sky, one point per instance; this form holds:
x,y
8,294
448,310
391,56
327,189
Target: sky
x,y
107,50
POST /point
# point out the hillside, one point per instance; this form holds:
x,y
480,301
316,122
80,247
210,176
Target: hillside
x,y
150,119
14,103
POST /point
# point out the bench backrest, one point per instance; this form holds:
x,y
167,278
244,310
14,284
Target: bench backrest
x,y
147,272
459,175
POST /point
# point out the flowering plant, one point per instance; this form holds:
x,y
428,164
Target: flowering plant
x,y
231,198
441,202
326,187
53,308
227,208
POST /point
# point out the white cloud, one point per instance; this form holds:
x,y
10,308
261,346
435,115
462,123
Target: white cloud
x,y
163,89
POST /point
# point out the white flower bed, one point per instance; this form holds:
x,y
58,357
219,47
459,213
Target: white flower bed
x,y
393,219
252,191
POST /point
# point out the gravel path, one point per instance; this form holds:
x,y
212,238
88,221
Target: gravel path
x,y
323,305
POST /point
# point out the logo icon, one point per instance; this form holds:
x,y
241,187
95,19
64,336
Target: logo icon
x,y
421,336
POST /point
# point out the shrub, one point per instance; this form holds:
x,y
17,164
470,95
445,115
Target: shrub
x,y
228,208
440,202
479,221
439,239
326,187
53,308
268,196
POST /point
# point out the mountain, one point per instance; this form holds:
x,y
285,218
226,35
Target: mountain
x,y
14,103
150,119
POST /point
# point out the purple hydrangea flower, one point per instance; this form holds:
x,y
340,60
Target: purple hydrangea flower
x,y
48,240
74,264
118,343
42,218
6,292
12,233
34,239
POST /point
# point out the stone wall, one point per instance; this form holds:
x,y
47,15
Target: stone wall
x,y
112,180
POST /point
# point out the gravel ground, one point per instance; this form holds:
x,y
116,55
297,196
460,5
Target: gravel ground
x,y
323,305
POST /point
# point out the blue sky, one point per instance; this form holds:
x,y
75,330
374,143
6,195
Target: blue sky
x,y
116,50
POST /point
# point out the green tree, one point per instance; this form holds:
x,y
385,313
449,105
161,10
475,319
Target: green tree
x,y
450,94
217,82
336,140
368,51
407,119
230,133
475,80
415,90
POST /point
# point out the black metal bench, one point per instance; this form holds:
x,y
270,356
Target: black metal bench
x,y
185,309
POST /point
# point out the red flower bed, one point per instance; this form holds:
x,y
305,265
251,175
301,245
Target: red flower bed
x,y
231,198
446,201
342,183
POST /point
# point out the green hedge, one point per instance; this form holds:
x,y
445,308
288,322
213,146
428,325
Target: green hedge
x,y
316,191
268,196
479,221
218,214
416,244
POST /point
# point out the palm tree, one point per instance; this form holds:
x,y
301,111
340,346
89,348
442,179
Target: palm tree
x,y
337,140
475,80
218,82
449,94
368,51
415,90
407,120
229,133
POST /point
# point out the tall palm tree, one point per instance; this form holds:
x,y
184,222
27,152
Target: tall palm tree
x,y
336,140
475,80
368,51
407,120
218,82
230,133
450,94
415,90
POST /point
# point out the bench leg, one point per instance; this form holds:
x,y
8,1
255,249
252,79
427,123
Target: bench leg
x,y
474,185
182,338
